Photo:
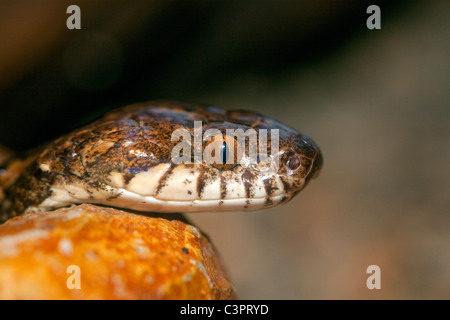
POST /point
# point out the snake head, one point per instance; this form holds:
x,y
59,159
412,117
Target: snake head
x,y
286,159
288,167
301,161
165,156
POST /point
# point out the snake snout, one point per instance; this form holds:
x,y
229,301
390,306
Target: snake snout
x,y
304,160
317,165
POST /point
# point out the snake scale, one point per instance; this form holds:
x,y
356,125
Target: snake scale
x,y
125,159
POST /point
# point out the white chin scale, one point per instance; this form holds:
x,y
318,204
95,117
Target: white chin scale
x,y
129,200
148,191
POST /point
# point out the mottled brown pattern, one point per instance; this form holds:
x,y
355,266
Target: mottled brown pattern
x,y
133,139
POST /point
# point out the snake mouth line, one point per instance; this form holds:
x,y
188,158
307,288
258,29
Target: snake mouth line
x,y
127,199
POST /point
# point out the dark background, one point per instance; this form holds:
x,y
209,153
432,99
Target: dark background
x,y
375,101
129,51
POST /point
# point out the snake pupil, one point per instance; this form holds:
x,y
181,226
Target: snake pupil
x,y
224,152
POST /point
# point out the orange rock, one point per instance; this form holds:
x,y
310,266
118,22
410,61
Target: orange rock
x,y
110,254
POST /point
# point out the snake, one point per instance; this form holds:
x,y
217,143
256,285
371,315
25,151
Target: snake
x,y
125,159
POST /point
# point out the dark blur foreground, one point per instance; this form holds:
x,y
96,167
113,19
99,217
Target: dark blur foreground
x,y
375,101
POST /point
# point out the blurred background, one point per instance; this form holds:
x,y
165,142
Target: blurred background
x,y
375,101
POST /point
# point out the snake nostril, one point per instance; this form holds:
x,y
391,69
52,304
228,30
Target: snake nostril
x,y
293,163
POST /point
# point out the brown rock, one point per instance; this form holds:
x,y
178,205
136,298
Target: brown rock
x,y
117,255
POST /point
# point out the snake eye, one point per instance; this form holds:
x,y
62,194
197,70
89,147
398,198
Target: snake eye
x,y
293,163
222,152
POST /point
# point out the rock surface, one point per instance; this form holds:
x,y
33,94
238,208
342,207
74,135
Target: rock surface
x,y
108,254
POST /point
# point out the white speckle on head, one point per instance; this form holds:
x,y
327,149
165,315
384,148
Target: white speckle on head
x,y
44,167
65,247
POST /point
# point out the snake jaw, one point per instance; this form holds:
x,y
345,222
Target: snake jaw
x,y
125,160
